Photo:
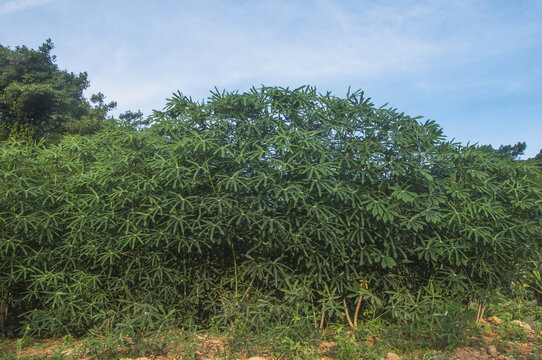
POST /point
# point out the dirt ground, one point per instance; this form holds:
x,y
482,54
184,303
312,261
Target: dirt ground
x,y
491,344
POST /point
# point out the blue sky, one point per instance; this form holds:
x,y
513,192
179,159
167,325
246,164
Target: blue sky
x,y
475,66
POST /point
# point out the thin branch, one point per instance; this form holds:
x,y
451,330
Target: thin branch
x,y
314,314
323,314
347,314
356,313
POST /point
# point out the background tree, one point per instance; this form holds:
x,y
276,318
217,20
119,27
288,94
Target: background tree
x,y
133,119
513,151
38,100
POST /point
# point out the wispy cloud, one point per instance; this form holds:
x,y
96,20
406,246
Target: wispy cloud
x,y
18,5
430,47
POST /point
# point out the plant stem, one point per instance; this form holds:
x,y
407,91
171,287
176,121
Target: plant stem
x,y
347,314
356,313
234,268
323,314
314,314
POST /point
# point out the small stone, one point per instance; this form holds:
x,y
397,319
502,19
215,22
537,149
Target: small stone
x,y
526,327
524,349
392,356
492,350
494,320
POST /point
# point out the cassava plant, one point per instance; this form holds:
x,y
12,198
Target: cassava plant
x,y
275,199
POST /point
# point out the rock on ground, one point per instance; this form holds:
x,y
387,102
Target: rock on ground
x,y
494,320
392,356
492,350
526,327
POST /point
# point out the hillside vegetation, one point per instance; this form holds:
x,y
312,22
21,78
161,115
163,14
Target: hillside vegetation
x,y
275,208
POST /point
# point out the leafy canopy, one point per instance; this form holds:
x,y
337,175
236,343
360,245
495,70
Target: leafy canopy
x,y
37,100
260,208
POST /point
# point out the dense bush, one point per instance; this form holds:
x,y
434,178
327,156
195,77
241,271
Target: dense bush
x,y
268,207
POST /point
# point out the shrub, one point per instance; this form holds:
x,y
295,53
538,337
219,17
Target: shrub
x,y
278,200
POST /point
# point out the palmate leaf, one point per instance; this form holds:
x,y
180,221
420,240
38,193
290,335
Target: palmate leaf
x,y
431,215
403,194
415,223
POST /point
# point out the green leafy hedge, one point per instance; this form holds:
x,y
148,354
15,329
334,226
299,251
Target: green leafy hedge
x,y
267,207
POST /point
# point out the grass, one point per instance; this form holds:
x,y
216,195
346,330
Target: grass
x,y
370,340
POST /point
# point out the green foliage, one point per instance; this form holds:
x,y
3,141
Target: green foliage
x,y
513,151
511,332
260,209
37,100
347,347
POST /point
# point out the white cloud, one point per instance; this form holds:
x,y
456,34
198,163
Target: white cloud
x,y
282,41
18,5
295,45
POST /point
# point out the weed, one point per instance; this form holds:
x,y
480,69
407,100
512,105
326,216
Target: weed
x,y
511,332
